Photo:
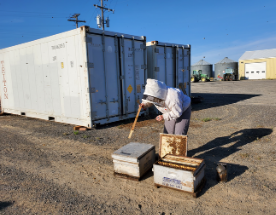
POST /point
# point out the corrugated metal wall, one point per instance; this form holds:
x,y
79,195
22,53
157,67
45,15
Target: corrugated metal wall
x,y
206,69
270,67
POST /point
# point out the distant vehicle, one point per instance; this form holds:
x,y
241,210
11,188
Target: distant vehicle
x,y
229,75
197,75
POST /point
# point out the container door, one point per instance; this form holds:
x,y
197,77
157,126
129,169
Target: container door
x,y
133,65
170,66
187,71
182,70
104,76
179,69
159,69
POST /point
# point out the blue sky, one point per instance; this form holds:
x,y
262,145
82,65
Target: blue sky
x,y
215,28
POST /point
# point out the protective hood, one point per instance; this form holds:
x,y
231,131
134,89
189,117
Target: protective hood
x,y
156,89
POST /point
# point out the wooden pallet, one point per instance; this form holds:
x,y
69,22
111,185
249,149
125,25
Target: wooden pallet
x,y
80,128
195,194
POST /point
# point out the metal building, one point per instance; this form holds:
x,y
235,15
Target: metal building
x,y
84,76
260,64
226,69
206,67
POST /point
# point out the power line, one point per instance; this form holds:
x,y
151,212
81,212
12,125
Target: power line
x,y
95,9
116,4
28,12
43,16
100,20
76,15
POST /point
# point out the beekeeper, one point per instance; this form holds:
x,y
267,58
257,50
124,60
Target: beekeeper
x,y
174,105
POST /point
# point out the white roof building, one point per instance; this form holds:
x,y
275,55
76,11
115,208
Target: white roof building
x,y
259,64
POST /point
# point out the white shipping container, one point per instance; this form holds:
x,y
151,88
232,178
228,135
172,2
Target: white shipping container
x,y
84,77
170,63
134,159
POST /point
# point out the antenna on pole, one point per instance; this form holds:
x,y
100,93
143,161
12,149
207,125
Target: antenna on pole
x,y
76,15
100,19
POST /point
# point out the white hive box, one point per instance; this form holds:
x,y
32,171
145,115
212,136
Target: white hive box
x,y
134,159
176,171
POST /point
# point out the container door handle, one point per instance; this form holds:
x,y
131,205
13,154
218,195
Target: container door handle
x,y
114,101
101,102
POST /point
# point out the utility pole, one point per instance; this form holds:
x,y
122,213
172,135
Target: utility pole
x,y
76,19
100,20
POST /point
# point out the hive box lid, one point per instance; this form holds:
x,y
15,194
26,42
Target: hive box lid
x,y
132,152
194,165
187,161
171,144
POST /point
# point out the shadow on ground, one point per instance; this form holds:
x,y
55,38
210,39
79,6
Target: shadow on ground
x,y
222,147
215,99
4,205
209,100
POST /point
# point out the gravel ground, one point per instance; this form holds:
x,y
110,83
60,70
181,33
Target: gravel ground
x,y
46,168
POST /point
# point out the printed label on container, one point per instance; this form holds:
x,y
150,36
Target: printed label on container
x,y
129,89
6,96
137,74
174,183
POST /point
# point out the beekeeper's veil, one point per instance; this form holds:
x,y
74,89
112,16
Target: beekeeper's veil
x,y
155,92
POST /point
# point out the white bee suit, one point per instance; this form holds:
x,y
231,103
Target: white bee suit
x,y
176,107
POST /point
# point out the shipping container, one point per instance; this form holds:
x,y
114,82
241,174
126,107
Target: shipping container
x,y
170,63
84,76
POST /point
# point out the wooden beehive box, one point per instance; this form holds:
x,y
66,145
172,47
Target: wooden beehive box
x,y
174,169
134,159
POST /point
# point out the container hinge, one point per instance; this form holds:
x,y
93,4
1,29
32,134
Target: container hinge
x,y
89,65
156,69
143,86
88,39
142,46
143,66
188,68
94,114
122,77
92,90
156,50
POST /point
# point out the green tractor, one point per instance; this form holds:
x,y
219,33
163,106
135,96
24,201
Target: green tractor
x,y
197,75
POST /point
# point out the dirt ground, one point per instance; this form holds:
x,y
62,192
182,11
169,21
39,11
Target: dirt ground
x,y
46,168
